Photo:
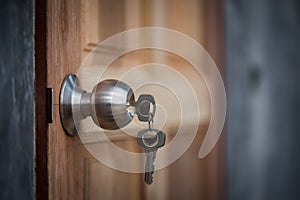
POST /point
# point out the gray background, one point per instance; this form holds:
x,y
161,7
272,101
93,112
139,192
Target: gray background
x,y
263,88
17,100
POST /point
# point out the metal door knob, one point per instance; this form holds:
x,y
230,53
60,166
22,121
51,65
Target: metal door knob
x,y
111,104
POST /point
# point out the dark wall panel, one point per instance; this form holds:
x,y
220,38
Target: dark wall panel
x,y
17,100
263,88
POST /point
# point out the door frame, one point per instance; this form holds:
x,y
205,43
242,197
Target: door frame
x,y
41,125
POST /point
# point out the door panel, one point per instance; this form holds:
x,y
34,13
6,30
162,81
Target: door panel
x,y
73,173
65,154
102,182
74,28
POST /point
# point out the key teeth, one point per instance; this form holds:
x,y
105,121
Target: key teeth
x,y
149,178
149,181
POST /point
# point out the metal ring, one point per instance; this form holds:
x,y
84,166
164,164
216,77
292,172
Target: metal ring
x,y
150,121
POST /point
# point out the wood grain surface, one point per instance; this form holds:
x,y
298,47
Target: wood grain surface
x,y
65,153
72,172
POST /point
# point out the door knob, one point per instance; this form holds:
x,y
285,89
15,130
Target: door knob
x,y
111,104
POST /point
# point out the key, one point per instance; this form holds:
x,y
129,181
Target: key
x,y
142,107
150,140
149,167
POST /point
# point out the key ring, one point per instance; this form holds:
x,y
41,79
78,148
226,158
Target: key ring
x,y
150,121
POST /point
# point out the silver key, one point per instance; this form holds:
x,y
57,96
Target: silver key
x,y
149,167
142,106
150,140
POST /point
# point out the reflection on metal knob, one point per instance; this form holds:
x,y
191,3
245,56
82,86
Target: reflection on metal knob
x,y
110,104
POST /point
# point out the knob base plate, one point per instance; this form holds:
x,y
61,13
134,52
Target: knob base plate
x,y
69,105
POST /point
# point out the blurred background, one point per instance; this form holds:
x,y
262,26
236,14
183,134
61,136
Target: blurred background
x,y
263,90
255,45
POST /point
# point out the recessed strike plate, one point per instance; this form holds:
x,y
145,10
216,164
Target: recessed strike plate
x,y
49,105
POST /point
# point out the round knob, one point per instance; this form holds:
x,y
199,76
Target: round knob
x,y
111,101
110,104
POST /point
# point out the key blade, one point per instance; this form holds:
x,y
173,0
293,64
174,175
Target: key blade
x,y
149,167
148,178
150,156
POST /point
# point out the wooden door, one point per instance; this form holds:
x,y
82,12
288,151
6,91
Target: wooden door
x,y
72,30
73,173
